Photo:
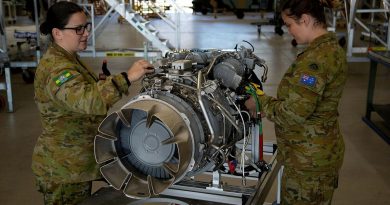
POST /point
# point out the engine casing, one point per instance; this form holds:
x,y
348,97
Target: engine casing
x,y
186,120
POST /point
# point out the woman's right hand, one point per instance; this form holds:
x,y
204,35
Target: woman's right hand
x,y
250,104
139,69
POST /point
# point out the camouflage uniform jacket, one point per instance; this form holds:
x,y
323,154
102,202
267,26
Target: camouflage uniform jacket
x,y
305,110
72,102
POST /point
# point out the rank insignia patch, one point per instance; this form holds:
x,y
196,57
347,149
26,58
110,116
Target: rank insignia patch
x,y
308,80
61,79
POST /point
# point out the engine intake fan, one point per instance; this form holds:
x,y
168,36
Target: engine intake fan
x,y
147,145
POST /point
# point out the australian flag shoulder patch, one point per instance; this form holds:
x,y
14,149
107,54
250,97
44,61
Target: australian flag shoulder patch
x,y
308,80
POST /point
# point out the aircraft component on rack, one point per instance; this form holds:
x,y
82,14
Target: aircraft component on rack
x,y
186,120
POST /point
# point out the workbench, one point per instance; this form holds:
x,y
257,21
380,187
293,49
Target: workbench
x,y
383,110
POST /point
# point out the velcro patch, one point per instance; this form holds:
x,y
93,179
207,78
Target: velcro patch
x,y
313,66
308,80
64,77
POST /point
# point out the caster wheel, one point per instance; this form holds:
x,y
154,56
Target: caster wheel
x,y
342,41
259,29
3,103
279,30
28,76
239,14
204,11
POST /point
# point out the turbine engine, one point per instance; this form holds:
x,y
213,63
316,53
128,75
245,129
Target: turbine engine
x,y
185,121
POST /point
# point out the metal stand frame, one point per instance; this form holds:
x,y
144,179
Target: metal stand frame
x,y
191,191
382,110
11,10
96,31
352,19
197,192
141,25
218,193
7,63
4,61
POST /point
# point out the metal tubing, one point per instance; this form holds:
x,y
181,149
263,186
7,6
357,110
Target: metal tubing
x,y
2,29
93,32
255,143
351,20
263,188
278,193
371,88
177,33
372,33
38,47
199,91
5,60
146,45
225,113
216,180
9,88
108,13
361,11
388,34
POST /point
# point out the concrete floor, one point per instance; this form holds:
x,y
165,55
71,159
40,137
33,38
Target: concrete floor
x,y
364,177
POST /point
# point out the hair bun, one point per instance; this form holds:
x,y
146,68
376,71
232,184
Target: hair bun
x,y
44,28
332,4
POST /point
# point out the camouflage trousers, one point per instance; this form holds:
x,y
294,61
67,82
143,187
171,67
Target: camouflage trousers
x,y
64,194
308,187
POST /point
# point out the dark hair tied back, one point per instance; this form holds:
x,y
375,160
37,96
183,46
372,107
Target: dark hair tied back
x,y
58,16
296,8
44,28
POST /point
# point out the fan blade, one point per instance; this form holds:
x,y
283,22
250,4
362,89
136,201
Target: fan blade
x,y
171,168
125,116
137,188
158,110
115,173
180,134
104,149
108,127
158,186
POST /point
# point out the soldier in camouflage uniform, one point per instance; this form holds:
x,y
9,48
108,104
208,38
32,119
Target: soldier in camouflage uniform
x,y
310,145
72,102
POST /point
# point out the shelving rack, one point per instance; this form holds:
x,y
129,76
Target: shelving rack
x,y
352,9
6,63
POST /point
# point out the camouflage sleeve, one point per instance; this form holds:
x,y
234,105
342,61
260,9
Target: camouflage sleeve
x,y
69,87
120,82
305,89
